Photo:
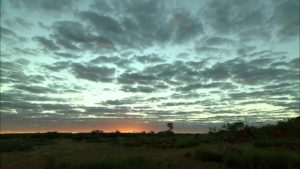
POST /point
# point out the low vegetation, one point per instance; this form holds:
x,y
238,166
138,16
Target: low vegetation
x,y
235,146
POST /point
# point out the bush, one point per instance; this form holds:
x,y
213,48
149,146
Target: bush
x,y
277,143
235,158
12,145
208,155
258,159
251,159
109,163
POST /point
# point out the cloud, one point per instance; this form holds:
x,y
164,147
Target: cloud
x,y
18,22
58,66
118,61
48,44
101,6
10,37
102,23
34,89
73,31
14,96
107,111
74,35
133,78
219,41
22,105
221,85
157,61
186,27
67,55
255,34
237,16
93,73
130,100
52,6
286,17
12,72
149,59
141,89
7,32
214,51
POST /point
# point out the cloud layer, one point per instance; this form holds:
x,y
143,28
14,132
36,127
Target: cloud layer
x,y
148,61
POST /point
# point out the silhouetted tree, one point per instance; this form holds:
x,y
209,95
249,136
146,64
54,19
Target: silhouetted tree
x,y
234,126
97,131
170,125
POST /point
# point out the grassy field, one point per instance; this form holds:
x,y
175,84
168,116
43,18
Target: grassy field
x,y
269,147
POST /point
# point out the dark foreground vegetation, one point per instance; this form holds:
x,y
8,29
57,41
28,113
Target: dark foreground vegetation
x,y
235,146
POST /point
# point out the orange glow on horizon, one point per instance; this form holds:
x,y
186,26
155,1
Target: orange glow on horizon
x,y
128,129
121,128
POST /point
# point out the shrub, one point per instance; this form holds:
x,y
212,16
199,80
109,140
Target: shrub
x,y
258,159
293,144
208,155
235,158
109,163
12,145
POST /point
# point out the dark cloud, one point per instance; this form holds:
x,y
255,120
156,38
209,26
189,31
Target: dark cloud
x,y
186,27
149,59
187,95
67,55
134,78
48,44
120,62
7,32
12,72
53,5
221,85
130,100
248,18
147,14
58,66
174,74
9,36
93,73
20,105
141,89
219,41
25,51
15,96
73,31
264,94
73,35
107,111
211,50
102,23
244,72
18,22
261,61
34,89
286,16
255,34
145,24
101,6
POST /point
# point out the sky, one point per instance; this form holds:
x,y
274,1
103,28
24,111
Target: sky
x,y
135,65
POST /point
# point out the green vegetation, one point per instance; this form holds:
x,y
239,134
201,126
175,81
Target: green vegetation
x,y
251,158
205,154
106,163
12,145
236,146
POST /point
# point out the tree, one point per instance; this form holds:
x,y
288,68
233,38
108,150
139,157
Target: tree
x,y
234,126
170,125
